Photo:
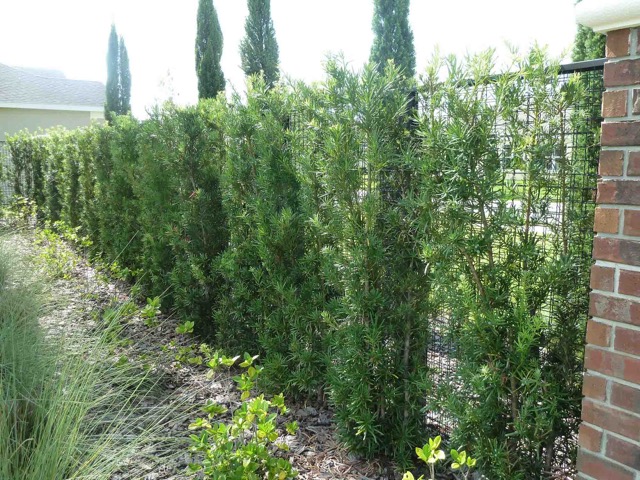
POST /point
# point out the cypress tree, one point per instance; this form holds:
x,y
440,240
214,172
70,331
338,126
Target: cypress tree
x,y
118,95
588,45
125,80
112,100
393,37
259,48
208,51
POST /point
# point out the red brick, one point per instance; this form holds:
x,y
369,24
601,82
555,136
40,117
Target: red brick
x,y
633,169
628,283
636,101
601,468
612,420
611,163
616,309
614,104
620,74
590,438
616,250
594,387
623,452
618,43
615,365
625,397
632,222
627,341
625,192
606,220
598,333
620,134
602,278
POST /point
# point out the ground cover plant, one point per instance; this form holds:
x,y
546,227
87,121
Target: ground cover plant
x,y
245,448
328,227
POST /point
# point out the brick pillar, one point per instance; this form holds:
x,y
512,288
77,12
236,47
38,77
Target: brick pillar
x,y
610,430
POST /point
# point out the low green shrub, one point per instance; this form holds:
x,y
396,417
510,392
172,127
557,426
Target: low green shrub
x,y
431,454
243,448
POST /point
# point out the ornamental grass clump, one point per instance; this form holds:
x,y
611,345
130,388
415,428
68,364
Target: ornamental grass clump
x,y
68,411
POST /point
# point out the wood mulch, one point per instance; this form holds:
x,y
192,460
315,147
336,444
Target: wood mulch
x,y
315,451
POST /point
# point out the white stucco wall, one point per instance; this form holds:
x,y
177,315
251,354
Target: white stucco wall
x,y
13,120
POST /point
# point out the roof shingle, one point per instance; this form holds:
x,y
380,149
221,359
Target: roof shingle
x,y
20,86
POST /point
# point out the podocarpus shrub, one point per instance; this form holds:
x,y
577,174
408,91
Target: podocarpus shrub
x,y
273,296
91,147
55,174
379,319
502,258
179,206
313,226
120,238
28,155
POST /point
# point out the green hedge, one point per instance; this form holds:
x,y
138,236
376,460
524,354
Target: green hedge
x,y
327,227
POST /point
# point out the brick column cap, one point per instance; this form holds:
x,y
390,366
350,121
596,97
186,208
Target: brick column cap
x,y
608,15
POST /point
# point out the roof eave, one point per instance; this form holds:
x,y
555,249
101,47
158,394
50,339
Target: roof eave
x,y
38,106
607,15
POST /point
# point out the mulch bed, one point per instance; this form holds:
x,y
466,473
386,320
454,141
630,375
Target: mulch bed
x,y
315,451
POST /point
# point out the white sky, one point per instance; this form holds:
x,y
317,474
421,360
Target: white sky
x,y
72,35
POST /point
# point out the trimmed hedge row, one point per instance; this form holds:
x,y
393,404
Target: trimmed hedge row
x,y
326,227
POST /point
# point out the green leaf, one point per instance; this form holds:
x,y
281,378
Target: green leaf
x,y
186,327
291,427
248,360
214,409
421,452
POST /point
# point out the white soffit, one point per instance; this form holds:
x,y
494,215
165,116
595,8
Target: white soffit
x,y
608,15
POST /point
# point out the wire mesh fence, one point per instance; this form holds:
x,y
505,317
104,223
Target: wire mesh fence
x,y
560,216
552,200
6,188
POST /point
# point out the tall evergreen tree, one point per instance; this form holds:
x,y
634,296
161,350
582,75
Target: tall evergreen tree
x,y
118,94
112,100
125,80
588,44
393,36
208,51
259,48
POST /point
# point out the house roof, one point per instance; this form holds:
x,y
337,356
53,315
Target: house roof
x,y
42,72
19,86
